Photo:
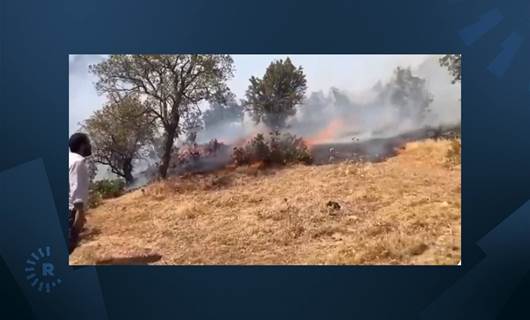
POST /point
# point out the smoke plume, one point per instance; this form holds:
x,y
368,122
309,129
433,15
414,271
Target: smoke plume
x,y
418,98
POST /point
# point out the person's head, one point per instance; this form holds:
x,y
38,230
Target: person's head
x,y
80,143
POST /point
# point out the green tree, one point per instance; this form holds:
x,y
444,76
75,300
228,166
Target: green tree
x,y
118,132
171,87
272,100
92,169
453,63
408,93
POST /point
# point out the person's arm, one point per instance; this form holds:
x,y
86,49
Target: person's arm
x,y
80,193
79,184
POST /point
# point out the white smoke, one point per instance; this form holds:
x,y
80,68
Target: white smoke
x,y
361,115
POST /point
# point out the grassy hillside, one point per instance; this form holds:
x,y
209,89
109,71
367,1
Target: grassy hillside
x,y
405,210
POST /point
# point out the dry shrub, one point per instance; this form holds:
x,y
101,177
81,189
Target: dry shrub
x,y
159,190
295,222
454,154
190,211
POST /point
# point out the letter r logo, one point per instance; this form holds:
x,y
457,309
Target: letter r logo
x,y
47,269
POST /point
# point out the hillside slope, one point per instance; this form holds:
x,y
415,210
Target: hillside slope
x,y
405,210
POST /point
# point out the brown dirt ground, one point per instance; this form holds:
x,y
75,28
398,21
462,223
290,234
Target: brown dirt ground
x,y
405,210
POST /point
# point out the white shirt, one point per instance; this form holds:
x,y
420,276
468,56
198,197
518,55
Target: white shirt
x,y
78,180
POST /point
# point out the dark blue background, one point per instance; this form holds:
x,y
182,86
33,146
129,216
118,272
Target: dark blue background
x,y
37,36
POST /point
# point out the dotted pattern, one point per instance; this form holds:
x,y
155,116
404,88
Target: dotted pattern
x,y
40,270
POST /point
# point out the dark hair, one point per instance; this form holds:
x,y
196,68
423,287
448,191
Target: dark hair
x,y
77,140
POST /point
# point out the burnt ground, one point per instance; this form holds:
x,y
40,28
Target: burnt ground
x,y
374,150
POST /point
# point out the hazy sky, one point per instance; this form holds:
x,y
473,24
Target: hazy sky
x,y
348,72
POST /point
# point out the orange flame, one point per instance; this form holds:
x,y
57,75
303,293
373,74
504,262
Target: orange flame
x,y
326,134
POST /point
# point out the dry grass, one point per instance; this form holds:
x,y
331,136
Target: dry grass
x,y
405,210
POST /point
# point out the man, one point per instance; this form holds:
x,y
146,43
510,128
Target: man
x,y
79,179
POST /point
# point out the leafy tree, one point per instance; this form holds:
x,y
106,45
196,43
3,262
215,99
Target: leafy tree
x,y
453,63
118,132
171,87
272,100
92,169
408,93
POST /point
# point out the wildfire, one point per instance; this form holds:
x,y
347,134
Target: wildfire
x,y
326,134
244,140
331,131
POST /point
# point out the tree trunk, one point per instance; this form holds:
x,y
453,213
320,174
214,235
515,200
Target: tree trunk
x,y
127,171
166,156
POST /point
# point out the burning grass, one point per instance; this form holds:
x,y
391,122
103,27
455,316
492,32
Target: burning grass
x,y
405,210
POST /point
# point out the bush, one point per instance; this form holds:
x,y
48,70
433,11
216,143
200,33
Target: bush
x,y
278,148
104,189
94,198
109,188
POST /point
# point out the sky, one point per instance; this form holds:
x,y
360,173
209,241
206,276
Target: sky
x,y
353,73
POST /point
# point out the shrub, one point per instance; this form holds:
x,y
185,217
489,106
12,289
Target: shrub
x,y
104,189
286,148
94,198
109,188
258,149
278,148
454,154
